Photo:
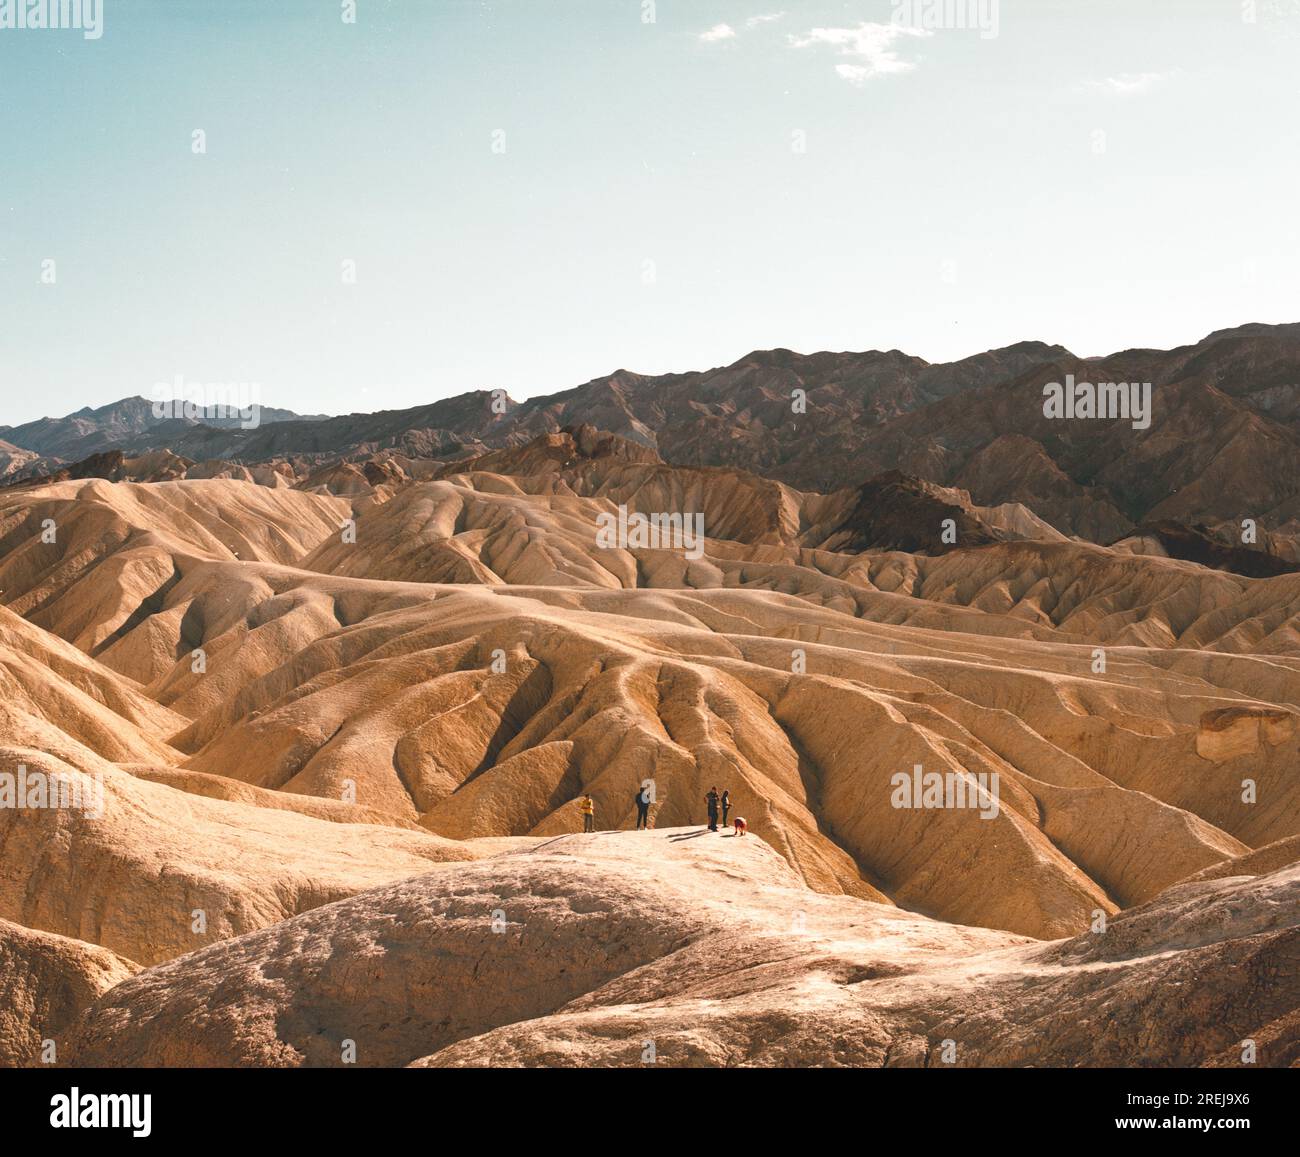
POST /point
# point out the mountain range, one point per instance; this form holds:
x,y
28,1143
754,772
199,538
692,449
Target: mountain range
x,y
1223,445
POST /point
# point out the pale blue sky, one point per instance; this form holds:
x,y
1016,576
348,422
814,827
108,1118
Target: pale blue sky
x,y
950,203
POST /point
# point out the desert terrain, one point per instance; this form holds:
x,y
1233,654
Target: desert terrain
x,y
331,707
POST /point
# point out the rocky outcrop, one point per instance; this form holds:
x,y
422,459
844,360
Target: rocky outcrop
x,y
46,982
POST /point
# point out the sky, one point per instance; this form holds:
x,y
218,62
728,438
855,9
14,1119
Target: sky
x,y
532,194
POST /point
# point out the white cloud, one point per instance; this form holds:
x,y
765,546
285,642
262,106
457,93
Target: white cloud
x,y
718,32
871,44
755,21
1128,83
854,73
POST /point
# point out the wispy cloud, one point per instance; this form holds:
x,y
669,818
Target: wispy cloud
x,y
758,21
718,32
1128,83
871,46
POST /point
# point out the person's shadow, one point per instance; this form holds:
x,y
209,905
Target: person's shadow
x,y
689,835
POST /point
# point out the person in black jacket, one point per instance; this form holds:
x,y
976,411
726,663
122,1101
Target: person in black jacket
x,y
726,804
643,808
712,800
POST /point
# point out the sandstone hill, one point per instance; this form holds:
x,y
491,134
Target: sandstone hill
x,y
679,948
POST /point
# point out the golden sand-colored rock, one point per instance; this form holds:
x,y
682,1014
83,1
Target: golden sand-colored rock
x,y
219,787
486,709
686,948
47,981
136,864
298,733
51,693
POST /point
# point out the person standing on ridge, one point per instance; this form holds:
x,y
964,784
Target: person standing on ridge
x,y
643,808
712,800
588,807
726,804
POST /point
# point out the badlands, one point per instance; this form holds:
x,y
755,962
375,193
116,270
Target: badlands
x,y
342,721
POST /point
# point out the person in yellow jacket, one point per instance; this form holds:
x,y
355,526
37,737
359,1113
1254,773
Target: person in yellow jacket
x,y
588,808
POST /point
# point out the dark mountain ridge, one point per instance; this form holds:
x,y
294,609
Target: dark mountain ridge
x,y
1223,441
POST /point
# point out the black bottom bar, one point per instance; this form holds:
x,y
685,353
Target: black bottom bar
x,y
336,1105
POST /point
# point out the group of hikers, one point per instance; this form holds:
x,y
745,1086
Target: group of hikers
x,y
715,802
